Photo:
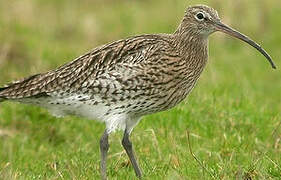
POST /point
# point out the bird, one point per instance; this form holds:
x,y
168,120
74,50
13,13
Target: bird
x,y
120,82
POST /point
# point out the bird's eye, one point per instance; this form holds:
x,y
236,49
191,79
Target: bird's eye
x,y
200,16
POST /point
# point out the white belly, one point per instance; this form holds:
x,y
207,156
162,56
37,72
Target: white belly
x,y
115,119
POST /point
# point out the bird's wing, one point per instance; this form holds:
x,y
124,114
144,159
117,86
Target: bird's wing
x,y
125,58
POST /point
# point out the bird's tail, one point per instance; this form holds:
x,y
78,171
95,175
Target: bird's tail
x,y
25,88
2,97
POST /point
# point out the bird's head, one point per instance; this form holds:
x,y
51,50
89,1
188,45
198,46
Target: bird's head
x,y
201,21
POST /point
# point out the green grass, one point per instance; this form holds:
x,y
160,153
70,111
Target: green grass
x,y
233,114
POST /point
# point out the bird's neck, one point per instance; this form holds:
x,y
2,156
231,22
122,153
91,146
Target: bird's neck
x,y
193,48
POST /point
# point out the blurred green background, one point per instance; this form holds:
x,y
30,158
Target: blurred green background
x,y
233,115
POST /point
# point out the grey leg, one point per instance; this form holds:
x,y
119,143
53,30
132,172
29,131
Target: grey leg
x,y
103,150
129,150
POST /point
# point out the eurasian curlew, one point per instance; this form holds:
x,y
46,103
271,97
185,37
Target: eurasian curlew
x,y
120,82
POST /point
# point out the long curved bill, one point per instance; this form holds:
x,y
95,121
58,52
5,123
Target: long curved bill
x,y
232,32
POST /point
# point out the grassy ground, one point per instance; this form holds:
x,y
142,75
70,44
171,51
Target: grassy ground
x,y
233,115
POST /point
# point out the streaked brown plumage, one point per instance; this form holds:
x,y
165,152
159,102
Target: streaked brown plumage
x,y
120,82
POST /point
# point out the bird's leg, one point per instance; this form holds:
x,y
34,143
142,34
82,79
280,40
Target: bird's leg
x,y
129,150
103,150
